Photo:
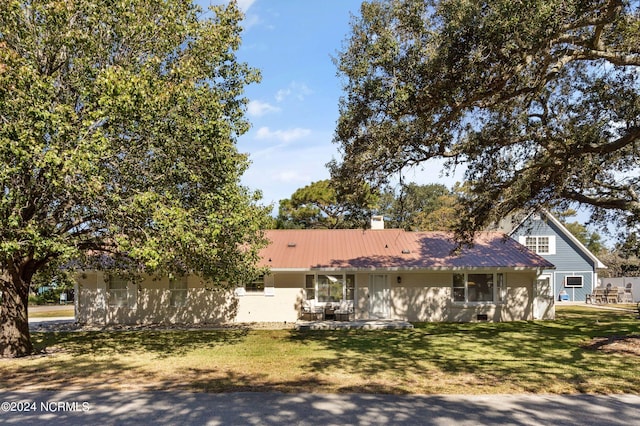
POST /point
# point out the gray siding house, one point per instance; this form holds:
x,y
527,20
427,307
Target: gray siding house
x,y
575,274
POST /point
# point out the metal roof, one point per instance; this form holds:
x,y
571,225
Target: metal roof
x,y
391,249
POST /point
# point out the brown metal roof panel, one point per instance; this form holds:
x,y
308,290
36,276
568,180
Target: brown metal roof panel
x,y
380,249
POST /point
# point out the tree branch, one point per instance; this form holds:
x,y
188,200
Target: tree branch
x,y
603,202
630,137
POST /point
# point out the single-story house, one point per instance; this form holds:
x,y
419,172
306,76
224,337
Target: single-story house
x,y
372,274
575,273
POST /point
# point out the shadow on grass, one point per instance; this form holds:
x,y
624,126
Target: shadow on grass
x,y
115,359
110,373
536,356
540,356
161,344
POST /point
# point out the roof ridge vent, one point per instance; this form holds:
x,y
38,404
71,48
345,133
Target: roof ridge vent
x,y
291,244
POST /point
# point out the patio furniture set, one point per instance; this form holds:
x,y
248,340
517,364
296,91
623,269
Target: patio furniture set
x,y
327,312
610,294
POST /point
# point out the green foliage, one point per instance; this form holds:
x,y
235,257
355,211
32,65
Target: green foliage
x,y
624,259
322,205
630,247
419,207
541,103
118,137
591,240
48,296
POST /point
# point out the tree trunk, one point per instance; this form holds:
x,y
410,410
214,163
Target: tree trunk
x,y
15,339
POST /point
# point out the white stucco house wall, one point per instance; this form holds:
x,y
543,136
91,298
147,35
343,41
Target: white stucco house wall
x,y
375,273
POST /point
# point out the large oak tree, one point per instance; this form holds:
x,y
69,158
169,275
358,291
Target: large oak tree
x,y
539,99
118,123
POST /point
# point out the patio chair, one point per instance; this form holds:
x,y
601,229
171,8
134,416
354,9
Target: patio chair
x,y
590,298
627,297
598,295
344,311
311,313
306,313
318,312
612,294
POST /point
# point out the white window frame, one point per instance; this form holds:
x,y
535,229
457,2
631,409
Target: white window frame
x,y
312,287
566,279
178,291
499,288
118,292
535,243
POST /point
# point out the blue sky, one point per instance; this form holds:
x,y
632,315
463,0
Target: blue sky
x,y
294,109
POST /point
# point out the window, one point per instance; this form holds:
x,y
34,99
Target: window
x,y
117,295
539,244
330,288
350,287
478,287
178,290
575,281
543,245
459,288
501,290
256,285
531,243
310,287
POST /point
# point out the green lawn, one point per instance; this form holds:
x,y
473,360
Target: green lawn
x,y
43,312
538,356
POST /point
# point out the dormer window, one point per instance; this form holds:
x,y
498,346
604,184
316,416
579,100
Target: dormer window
x,y
540,244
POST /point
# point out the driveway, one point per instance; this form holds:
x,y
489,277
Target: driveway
x,y
174,408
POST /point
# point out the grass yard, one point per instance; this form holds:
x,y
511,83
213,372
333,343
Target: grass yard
x,y
584,350
50,312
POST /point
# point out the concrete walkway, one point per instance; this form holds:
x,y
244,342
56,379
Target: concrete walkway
x,y
182,408
357,324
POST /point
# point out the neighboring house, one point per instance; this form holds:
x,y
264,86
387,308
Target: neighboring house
x,y
575,274
379,273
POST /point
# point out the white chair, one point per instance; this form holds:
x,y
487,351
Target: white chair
x,y
344,311
628,294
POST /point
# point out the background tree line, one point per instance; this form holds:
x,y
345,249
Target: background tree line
x,y
427,207
410,206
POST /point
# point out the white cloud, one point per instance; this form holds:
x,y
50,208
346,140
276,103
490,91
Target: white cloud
x,y
294,90
279,171
288,135
250,20
292,176
259,108
244,5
